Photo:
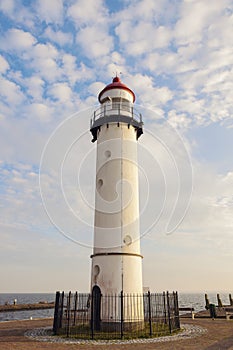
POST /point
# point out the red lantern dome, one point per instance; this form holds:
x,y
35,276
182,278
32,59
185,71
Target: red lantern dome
x,y
116,84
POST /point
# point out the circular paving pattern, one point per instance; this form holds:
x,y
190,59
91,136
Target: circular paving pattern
x,y
45,335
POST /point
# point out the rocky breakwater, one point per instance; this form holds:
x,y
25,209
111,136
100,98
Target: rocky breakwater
x,y
20,307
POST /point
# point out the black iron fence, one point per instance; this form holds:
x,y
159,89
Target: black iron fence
x,y
96,316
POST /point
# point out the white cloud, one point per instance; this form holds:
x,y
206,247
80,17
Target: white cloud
x,y
58,36
21,197
94,41
43,59
35,86
18,13
95,88
169,62
7,6
73,72
32,86
117,58
50,11
201,68
179,120
191,105
196,17
91,17
43,51
146,37
88,12
11,92
47,68
40,111
4,65
211,206
148,92
141,26
218,32
50,64
61,92
146,10
17,39
207,224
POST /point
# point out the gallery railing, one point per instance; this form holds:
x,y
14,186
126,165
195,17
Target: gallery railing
x,y
117,112
116,109
90,316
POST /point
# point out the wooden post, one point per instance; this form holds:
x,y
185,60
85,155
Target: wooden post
x,y
219,301
207,302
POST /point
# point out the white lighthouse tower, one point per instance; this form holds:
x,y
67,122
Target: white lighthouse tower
x,y
116,258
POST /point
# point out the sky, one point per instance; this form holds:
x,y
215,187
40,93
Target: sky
x,y
55,57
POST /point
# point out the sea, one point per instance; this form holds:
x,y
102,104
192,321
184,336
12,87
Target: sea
x,y
26,298
194,300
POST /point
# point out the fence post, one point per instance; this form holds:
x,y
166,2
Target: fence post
x,y
149,306
168,313
122,314
61,310
177,315
68,314
75,306
165,308
56,313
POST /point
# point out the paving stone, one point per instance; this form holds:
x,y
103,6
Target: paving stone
x,y
45,335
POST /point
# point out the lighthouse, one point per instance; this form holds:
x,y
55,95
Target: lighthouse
x,y
116,258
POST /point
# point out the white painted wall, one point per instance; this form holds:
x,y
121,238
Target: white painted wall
x,y
117,211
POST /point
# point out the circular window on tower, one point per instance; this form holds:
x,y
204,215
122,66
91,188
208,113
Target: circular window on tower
x,y
99,183
127,240
96,270
107,154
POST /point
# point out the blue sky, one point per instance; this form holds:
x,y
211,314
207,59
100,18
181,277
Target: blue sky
x,y
55,57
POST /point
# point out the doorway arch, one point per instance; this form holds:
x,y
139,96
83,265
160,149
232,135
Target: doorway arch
x,y
96,308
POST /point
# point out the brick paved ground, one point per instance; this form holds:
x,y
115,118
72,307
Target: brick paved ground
x,y
218,337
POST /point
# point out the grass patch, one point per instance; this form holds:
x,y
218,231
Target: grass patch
x,y
134,331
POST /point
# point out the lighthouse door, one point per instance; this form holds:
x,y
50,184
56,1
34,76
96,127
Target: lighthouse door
x,y
96,307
